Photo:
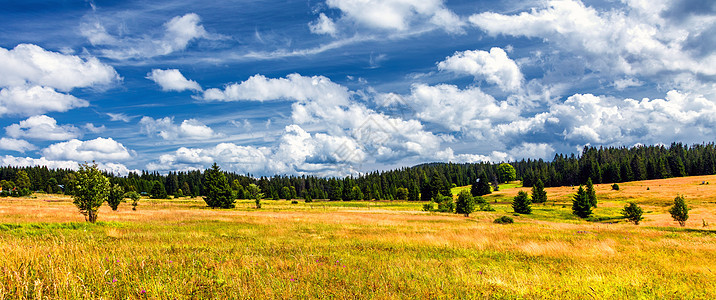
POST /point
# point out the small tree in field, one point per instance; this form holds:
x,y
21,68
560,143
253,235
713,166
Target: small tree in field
x,y
115,197
90,190
465,204
521,203
633,212
580,204
135,198
481,186
254,192
218,190
591,194
539,195
680,212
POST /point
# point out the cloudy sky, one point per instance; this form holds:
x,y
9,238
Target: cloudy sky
x,y
337,87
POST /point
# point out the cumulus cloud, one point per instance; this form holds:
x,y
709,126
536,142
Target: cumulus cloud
x,y
16,145
29,64
26,101
115,168
398,15
172,80
165,128
631,40
324,25
99,149
494,67
176,35
42,127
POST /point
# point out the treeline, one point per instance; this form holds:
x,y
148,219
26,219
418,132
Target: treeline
x,y
421,182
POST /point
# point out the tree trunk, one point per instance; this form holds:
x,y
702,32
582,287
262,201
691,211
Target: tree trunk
x,y
92,216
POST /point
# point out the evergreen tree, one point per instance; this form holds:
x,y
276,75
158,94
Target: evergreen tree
x,y
481,186
218,190
539,195
680,212
633,212
414,192
580,204
591,193
186,189
158,191
401,193
356,193
521,203
336,191
465,204
286,193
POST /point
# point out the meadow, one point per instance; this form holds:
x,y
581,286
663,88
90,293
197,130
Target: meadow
x,y
364,249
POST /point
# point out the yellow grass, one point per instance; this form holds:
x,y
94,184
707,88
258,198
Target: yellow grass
x,y
383,250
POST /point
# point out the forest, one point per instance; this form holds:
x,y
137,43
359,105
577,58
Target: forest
x,y
421,182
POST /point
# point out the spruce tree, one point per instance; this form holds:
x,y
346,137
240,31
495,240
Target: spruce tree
x,y
481,186
633,212
217,189
539,195
580,204
465,204
680,212
521,203
591,194
158,191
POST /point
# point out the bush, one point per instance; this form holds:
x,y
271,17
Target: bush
x,y
680,212
483,205
294,201
521,203
633,213
615,187
307,199
504,220
428,206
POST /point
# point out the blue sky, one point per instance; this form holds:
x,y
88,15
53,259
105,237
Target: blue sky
x,y
338,87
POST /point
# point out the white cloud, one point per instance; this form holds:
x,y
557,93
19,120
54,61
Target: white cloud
x,y
324,25
165,128
494,67
29,64
625,40
26,101
15,145
172,80
42,127
398,15
94,129
176,35
9,160
99,149
119,117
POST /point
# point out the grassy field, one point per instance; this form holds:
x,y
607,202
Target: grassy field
x,y
357,250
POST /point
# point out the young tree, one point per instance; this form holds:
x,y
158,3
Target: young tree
x,y
401,193
115,197
506,172
254,192
158,191
680,212
135,198
445,203
521,203
633,212
286,193
481,186
90,190
539,195
465,204
217,188
580,204
591,194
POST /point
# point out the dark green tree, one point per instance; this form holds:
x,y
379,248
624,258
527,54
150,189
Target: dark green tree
x,y
580,204
217,188
680,212
414,192
115,197
286,193
465,203
90,190
401,193
481,186
633,212
591,193
158,191
356,193
521,204
539,195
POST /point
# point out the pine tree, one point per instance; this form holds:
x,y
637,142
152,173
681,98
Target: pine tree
x,y
414,192
680,212
465,204
481,186
591,193
633,213
521,203
217,189
158,191
539,195
580,204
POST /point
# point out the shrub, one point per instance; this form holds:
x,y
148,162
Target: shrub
x,y
135,198
446,205
504,220
680,212
294,201
307,199
428,206
633,213
521,203
482,204
615,187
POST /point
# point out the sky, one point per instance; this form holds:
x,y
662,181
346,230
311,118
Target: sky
x,y
343,87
